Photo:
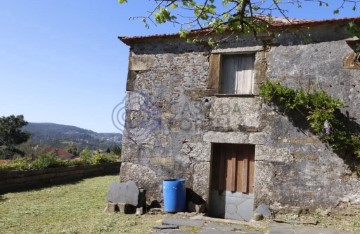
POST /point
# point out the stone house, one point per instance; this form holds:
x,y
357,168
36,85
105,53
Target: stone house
x,y
194,112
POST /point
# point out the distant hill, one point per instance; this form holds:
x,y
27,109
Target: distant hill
x,y
58,135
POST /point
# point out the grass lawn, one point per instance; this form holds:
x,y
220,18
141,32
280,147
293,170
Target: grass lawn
x,y
70,208
78,208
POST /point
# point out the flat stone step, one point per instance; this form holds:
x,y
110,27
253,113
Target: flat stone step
x,y
287,228
182,222
163,227
179,232
213,228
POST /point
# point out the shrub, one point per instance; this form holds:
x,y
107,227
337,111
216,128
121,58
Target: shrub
x,y
86,155
50,160
47,160
17,164
103,158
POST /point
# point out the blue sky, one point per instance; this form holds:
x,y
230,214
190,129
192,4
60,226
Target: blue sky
x,y
61,61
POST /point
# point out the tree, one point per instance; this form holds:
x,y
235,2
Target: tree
x,y
249,16
12,135
116,150
71,148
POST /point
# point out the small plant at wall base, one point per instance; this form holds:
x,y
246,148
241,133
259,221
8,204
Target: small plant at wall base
x,y
322,114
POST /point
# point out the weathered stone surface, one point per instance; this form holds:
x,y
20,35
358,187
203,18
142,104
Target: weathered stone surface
x,y
127,193
182,222
140,63
293,168
263,210
286,228
142,175
167,226
201,179
235,114
271,154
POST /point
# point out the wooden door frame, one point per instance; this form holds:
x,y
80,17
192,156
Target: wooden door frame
x,y
252,181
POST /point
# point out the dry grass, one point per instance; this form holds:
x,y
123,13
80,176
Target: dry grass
x,y
338,221
70,208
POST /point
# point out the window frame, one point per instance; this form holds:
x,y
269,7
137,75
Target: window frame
x,y
221,75
215,65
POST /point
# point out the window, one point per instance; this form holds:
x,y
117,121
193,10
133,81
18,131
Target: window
x,y
232,74
237,74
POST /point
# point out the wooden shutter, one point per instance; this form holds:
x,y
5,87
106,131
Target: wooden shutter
x,y
214,72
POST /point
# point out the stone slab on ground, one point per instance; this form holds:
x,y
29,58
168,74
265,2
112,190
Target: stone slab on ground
x,y
179,232
221,228
182,222
166,227
217,232
264,210
280,228
126,193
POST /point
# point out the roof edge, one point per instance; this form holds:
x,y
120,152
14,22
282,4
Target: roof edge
x,y
201,32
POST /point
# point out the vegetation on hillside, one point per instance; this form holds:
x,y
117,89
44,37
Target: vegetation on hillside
x,y
24,154
65,136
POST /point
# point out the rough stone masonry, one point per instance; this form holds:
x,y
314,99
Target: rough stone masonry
x,y
173,87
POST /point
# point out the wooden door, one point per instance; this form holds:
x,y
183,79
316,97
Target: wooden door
x,y
232,180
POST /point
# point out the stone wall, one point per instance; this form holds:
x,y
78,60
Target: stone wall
x,y
22,180
293,168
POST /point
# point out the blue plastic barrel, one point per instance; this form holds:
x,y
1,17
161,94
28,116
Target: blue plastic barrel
x,y
174,192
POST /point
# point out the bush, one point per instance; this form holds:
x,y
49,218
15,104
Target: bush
x,y
47,160
86,155
103,158
50,160
17,164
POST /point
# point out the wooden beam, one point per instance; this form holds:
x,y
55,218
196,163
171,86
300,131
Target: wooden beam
x,y
245,175
214,72
233,174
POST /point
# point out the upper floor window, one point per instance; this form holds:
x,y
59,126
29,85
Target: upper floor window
x,y
237,74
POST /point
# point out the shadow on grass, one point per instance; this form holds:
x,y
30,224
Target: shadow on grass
x,y
2,198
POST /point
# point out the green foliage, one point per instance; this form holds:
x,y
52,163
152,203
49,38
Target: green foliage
x,y
103,158
246,16
116,150
11,135
89,157
354,30
72,149
17,164
50,160
320,109
86,155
